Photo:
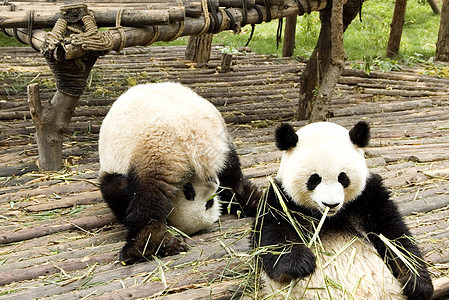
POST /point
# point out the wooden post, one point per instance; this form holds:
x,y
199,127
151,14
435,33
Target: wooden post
x,y
51,122
397,25
198,48
442,50
289,36
226,63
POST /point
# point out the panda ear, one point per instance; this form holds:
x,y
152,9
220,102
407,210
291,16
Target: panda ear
x,y
285,137
360,134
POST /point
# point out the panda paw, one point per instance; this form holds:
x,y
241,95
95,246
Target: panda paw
x,y
419,287
133,251
172,245
298,263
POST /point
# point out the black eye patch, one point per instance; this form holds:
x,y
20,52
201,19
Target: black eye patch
x,y
189,191
344,179
209,203
313,181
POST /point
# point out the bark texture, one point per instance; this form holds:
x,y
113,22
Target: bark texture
x,y
198,48
442,51
397,25
326,62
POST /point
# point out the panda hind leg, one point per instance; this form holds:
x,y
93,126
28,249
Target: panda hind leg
x,y
146,218
114,189
239,193
151,239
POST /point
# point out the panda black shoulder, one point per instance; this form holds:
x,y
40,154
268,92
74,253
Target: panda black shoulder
x,y
374,199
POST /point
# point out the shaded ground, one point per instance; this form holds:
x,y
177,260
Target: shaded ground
x,y
60,241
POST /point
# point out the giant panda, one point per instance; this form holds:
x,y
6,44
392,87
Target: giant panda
x,y
165,155
323,170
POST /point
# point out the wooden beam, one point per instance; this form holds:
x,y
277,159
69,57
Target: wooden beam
x,y
104,18
142,36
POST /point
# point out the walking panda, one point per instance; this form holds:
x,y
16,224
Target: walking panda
x,y
165,153
323,168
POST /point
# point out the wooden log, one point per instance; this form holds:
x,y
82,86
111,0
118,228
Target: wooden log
x,y
226,62
16,192
198,48
86,223
85,198
106,18
441,287
46,269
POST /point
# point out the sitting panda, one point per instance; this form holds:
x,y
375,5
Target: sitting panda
x,y
323,169
165,154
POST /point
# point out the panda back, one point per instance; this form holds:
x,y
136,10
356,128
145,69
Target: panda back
x,y
152,117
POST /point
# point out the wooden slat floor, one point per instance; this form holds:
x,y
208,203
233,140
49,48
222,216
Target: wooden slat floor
x,y
59,240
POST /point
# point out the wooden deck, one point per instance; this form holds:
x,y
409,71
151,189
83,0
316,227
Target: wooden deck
x,y
60,241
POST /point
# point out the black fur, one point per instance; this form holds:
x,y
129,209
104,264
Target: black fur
x,y
239,194
313,182
142,205
114,188
285,137
360,134
373,210
189,191
344,179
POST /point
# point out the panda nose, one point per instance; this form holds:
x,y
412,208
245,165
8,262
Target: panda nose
x,y
330,205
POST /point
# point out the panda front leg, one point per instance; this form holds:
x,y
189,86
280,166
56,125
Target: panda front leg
x,y
285,257
239,193
382,217
146,218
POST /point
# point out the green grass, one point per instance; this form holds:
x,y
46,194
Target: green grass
x,y
7,41
368,38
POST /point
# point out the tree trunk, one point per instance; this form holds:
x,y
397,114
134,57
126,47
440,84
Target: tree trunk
x,y
198,48
434,6
289,36
320,111
311,81
50,122
442,51
397,25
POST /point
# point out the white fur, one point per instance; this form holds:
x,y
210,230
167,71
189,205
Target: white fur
x,y
168,132
354,265
168,118
195,211
326,149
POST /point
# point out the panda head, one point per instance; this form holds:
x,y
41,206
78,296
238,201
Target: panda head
x,y
323,164
196,206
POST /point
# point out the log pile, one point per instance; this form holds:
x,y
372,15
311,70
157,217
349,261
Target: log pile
x,y
59,240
